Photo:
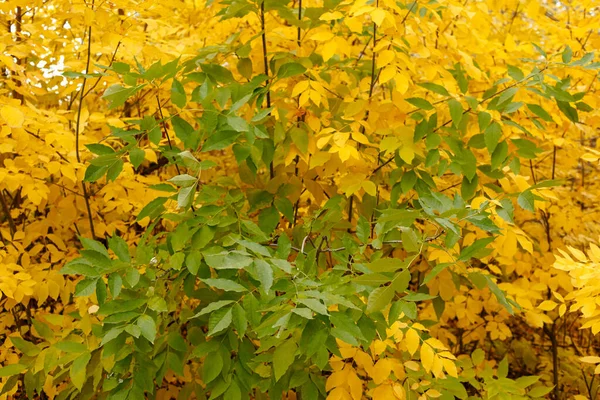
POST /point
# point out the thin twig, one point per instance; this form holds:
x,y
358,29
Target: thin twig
x,y
77,131
266,65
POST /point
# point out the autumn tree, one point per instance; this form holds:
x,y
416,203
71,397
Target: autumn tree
x,y
340,200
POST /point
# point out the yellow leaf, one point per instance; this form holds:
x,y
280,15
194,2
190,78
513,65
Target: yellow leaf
x,y
385,57
378,15
412,365
450,367
590,359
407,153
433,393
435,343
315,97
360,138
12,116
427,357
387,74
589,157
355,385
412,340
329,50
399,391
322,36
402,83
509,44
337,379
594,253
383,392
381,370
369,187
597,370
525,243
547,305
300,88
330,16
578,254
354,23
339,394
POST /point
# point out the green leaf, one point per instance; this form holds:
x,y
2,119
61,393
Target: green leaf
x,y
303,312
224,284
387,264
283,358
492,136
420,103
499,294
111,335
255,247
152,208
183,180
120,248
185,197
178,94
262,114
300,139
212,366
476,250
285,207
526,381
13,369
408,181
435,88
78,371
71,347
583,60
100,149
526,201
233,392
264,274
93,173
515,73
136,157
148,327
410,241
185,132
484,119
569,111
244,67
539,391
219,73
456,111
283,265
240,322
85,287
115,283
219,320
268,219
119,305
380,298
540,112
237,123
117,95
290,69
157,304
220,140
213,307
314,305
345,327
80,267
227,260
567,54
